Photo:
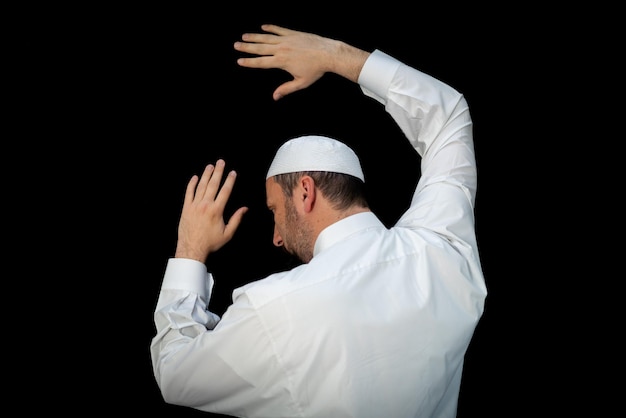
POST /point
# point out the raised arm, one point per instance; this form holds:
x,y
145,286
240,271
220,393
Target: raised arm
x,y
306,56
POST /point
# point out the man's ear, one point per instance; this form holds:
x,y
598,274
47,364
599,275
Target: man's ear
x,y
307,193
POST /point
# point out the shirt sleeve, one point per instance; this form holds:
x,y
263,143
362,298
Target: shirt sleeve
x,y
181,312
435,119
204,361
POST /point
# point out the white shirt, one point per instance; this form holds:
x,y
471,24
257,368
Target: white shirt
x,y
376,324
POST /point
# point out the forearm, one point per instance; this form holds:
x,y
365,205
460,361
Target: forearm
x,y
347,61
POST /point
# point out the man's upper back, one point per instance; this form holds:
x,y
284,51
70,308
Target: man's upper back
x,y
376,324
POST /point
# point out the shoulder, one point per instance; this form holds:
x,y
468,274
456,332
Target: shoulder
x,y
272,287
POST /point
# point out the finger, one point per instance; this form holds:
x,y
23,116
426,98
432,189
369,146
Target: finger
x,y
272,36
215,179
190,191
227,188
260,39
258,62
204,181
259,43
278,30
262,49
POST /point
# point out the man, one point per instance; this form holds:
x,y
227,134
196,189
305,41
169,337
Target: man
x,y
376,321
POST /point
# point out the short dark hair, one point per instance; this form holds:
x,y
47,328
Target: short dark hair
x,y
342,190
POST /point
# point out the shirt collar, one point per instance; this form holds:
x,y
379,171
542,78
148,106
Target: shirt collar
x,y
342,229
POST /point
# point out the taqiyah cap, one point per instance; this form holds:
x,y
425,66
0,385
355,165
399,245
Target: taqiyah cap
x,y
315,153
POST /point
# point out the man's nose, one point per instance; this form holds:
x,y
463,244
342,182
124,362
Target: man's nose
x,y
278,240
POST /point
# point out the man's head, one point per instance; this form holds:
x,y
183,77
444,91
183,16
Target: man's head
x,y
312,182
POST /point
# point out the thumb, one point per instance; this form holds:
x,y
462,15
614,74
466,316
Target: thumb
x,y
289,87
234,222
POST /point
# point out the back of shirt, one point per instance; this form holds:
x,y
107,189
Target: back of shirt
x,y
377,324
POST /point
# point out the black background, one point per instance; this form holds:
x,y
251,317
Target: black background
x,y
140,100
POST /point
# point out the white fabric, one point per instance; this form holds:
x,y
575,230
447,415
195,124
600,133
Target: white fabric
x,y
315,153
376,325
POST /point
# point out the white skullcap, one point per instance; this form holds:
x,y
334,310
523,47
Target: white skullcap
x,y
315,153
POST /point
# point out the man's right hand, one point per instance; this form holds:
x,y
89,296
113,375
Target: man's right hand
x,y
201,229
